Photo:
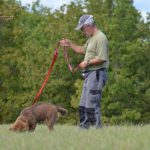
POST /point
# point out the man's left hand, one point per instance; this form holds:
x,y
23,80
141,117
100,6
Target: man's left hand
x,y
83,64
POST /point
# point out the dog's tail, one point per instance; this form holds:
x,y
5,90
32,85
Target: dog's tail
x,y
62,110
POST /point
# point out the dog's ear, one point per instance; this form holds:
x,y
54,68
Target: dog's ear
x,y
23,119
25,127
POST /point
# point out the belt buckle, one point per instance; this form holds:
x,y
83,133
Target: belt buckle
x,y
83,74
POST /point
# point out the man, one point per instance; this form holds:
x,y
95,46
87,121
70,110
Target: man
x,y
94,67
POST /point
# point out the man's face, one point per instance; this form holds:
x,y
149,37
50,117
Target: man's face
x,y
87,30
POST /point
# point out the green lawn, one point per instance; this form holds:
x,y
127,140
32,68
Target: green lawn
x,y
65,137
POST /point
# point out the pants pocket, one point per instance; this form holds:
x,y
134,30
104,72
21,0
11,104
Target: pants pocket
x,y
93,98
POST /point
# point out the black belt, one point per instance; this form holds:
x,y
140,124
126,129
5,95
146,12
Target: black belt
x,y
101,69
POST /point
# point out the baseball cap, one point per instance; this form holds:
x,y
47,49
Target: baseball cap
x,y
84,20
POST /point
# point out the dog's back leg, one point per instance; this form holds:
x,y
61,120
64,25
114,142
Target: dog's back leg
x,y
51,120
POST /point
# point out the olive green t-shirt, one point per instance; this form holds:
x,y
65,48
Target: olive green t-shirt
x,y
97,47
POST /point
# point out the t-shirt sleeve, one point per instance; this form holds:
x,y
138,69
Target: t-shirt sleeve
x,y
102,49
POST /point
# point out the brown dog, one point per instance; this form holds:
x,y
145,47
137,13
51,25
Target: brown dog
x,y
36,113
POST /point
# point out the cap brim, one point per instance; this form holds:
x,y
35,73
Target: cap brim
x,y
79,27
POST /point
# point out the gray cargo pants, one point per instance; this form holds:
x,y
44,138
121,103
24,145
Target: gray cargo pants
x,y
89,108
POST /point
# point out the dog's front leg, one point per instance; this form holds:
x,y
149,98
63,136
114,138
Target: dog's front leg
x,y
32,127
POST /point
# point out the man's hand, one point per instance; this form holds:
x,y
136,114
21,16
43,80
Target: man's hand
x,y
65,42
68,43
83,64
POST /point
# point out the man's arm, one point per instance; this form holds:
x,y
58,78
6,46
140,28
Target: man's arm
x,y
94,61
76,48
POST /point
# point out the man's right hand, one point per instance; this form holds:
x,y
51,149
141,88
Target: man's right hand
x,y
64,42
68,43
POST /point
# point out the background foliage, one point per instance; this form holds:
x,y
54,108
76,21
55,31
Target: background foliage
x,y
28,36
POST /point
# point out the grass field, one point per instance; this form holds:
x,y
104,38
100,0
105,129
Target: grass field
x,y
65,137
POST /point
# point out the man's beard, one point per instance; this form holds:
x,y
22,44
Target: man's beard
x,y
88,35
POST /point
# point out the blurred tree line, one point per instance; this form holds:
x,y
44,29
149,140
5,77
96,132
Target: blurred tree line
x,y
29,35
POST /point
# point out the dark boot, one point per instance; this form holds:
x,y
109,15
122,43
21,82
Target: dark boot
x,y
84,124
81,114
90,117
97,116
93,118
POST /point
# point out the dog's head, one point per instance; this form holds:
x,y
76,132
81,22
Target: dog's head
x,y
19,126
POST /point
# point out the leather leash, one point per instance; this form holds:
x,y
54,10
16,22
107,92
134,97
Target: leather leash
x,y
50,70
73,71
47,75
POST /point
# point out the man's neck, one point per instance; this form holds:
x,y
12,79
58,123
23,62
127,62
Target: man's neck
x,y
95,30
